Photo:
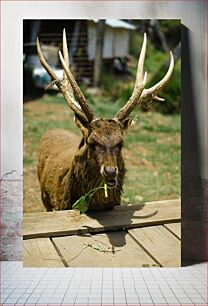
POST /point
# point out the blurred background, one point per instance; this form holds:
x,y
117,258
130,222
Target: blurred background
x,y
103,58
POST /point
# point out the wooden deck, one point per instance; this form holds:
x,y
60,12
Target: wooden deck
x,y
128,236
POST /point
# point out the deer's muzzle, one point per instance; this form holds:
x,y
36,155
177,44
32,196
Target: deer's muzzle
x,y
110,175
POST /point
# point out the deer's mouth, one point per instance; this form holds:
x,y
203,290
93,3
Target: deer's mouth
x,y
111,183
110,175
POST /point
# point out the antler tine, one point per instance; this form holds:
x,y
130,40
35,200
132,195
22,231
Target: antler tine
x,y
132,102
80,97
152,92
140,67
45,64
65,52
138,87
66,58
58,83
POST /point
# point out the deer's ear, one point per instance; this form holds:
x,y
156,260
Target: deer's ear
x,y
127,123
82,125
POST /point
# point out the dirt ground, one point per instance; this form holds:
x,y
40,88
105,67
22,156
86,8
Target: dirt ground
x,y
32,195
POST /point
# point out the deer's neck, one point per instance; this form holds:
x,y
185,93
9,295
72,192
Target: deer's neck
x,y
85,175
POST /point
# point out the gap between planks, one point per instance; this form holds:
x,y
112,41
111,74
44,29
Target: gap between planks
x,y
159,243
174,228
66,223
40,253
142,247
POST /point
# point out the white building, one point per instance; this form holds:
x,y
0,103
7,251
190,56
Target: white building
x,y
116,38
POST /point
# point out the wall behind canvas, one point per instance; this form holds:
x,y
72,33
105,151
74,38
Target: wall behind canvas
x,y
193,16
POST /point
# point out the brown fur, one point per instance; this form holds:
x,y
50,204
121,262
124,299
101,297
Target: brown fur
x,y
66,172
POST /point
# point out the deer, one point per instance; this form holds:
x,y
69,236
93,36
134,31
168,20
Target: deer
x,y
69,166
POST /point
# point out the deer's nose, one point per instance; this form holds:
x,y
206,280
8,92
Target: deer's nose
x,y
110,171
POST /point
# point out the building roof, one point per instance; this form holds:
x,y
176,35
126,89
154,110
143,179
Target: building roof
x,y
117,23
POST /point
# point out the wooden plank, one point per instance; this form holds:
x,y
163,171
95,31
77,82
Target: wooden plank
x,y
60,223
40,253
112,249
174,228
160,243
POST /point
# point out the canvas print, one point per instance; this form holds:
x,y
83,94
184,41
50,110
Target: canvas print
x,y
101,143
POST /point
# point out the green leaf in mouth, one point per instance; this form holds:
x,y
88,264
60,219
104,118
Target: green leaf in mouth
x,y
82,204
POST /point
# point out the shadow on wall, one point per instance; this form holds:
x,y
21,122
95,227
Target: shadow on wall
x,y
194,227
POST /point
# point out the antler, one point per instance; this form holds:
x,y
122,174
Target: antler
x,y
146,94
86,112
141,79
132,102
81,99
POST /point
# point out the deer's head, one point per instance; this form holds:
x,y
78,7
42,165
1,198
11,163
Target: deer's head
x,y
104,137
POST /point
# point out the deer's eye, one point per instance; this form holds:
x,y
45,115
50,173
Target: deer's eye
x,y
118,147
116,150
100,148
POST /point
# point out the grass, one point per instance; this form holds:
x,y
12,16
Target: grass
x,y
151,152
156,149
